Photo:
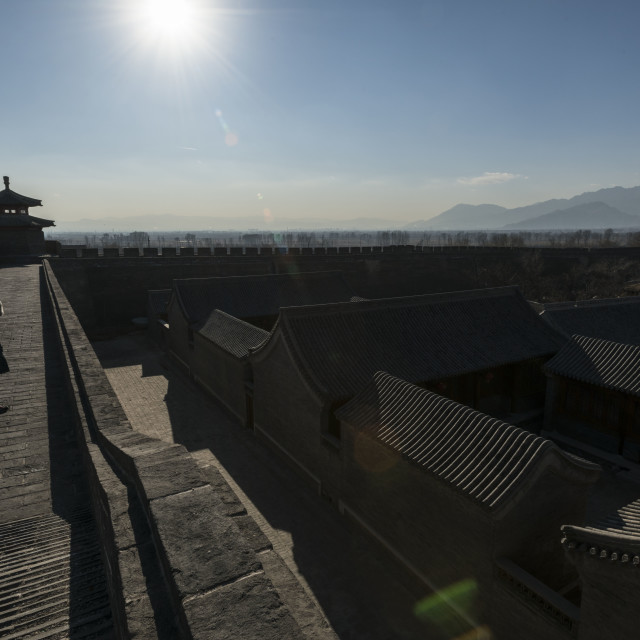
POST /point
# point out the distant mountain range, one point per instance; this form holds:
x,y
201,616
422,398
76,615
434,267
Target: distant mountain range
x,y
617,207
591,215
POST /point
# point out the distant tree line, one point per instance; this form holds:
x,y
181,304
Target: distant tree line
x,y
569,239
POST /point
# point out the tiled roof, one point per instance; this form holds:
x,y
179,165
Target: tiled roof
x,y
338,347
234,336
11,200
615,319
483,458
23,220
158,300
599,362
258,296
615,538
625,521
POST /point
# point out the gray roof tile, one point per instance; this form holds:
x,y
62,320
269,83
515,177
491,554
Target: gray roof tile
x,y
603,363
483,458
616,319
338,347
258,296
615,538
230,334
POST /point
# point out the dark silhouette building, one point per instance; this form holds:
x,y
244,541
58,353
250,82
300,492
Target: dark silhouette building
x,y
20,232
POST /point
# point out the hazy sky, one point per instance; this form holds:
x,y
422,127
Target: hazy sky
x,y
333,109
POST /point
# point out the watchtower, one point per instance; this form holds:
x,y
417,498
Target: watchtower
x,y
20,232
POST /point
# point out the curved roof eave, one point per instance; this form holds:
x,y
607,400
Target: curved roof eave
x,y
11,198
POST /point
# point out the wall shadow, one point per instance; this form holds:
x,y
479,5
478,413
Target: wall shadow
x,y
127,351
361,590
4,365
89,607
71,500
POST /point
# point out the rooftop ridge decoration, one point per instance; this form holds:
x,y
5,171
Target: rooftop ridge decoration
x,y
11,200
339,346
231,334
481,457
604,363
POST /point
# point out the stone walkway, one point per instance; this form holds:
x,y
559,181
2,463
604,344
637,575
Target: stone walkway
x,y
51,579
361,591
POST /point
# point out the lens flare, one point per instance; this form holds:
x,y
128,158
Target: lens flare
x,y
452,609
230,138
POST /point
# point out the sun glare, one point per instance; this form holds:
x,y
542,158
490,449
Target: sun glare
x,y
168,21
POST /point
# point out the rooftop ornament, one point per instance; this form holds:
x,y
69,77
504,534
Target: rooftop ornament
x,y
12,202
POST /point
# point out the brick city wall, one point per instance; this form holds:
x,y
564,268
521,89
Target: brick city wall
x,y
198,550
107,293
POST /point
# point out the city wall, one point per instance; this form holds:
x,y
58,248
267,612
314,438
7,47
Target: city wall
x,y
171,553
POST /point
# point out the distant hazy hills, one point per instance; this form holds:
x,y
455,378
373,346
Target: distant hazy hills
x,y
591,215
607,208
614,208
166,223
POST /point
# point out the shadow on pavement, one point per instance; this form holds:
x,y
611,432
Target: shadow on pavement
x,y
361,590
89,609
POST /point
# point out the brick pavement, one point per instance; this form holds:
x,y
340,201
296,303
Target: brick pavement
x,y
51,580
359,589
36,434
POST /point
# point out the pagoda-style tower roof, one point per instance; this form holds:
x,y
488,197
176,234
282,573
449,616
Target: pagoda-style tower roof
x,y
10,201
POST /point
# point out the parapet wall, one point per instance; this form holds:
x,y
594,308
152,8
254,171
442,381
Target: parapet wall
x,y
205,563
106,293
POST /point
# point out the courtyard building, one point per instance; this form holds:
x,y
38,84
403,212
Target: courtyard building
x,y
483,348
593,395
465,499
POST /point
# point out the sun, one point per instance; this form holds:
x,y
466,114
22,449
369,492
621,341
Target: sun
x,y
168,20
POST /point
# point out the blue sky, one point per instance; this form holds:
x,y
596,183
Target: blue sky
x,y
333,109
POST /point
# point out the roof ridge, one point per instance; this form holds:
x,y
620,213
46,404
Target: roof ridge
x,y
233,319
400,301
297,275
584,304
